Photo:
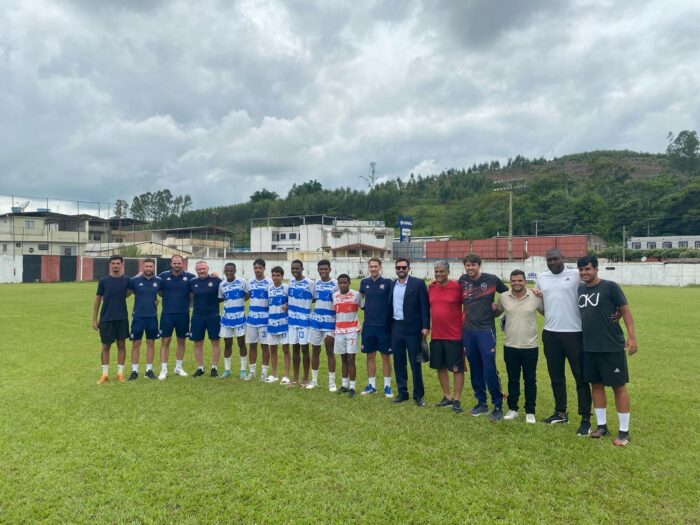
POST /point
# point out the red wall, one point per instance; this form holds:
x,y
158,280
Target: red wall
x,y
571,246
50,268
87,265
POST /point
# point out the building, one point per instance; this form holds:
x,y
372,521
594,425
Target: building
x,y
312,237
43,232
199,241
664,242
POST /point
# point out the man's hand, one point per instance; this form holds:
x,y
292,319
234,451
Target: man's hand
x,y
631,345
425,332
494,307
284,308
95,325
616,316
537,292
215,275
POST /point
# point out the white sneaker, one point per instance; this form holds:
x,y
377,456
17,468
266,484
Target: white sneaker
x,y
163,375
263,377
249,377
285,381
332,388
510,415
271,379
311,385
181,372
530,418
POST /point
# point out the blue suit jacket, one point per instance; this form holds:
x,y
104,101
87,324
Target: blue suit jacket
x,y
416,305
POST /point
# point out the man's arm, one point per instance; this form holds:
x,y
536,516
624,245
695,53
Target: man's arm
x,y
95,311
424,302
631,343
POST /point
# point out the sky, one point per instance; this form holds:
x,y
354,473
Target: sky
x,y
110,99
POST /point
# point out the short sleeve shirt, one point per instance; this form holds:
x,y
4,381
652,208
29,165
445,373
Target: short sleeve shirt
x,y
346,307
113,292
560,292
521,319
323,316
206,296
446,311
477,299
277,314
301,293
259,301
596,304
233,294
376,294
176,292
145,295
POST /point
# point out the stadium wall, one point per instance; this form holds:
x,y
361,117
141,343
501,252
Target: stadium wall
x,y
11,268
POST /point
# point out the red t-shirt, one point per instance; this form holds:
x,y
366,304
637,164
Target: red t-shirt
x,y
446,311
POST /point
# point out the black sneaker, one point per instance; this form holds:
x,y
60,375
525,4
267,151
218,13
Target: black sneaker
x,y
351,392
622,439
420,402
198,372
133,376
600,431
556,418
479,410
585,428
214,372
343,390
444,403
496,414
457,406
149,374
399,399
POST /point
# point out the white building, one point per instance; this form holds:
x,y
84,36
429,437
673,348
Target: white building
x,y
665,242
312,237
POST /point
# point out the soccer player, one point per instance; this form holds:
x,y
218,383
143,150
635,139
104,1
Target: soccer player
x,y
520,350
145,288
604,359
323,324
233,291
479,335
346,304
375,291
175,314
301,293
562,339
204,290
113,324
256,327
277,325
446,350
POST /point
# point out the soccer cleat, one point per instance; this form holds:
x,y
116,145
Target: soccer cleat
x,y
271,379
457,406
332,388
556,418
149,374
600,431
214,372
479,410
585,428
510,415
120,377
387,392
444,402
242,374
420,402
263,377
181,372
399,399
311,385
351,392
530,418
198,372
133,376
343,390
622,439
496,414
226,374
369,389
103,379
163,375
249,377
285,381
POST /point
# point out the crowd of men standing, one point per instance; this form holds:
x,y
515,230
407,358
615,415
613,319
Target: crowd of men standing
x,y
303,315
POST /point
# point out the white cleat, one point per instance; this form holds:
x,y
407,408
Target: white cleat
x,y
271,379
510,415
163,375
181,372
249,377
530,418
263,377
311,385
285,381
332,388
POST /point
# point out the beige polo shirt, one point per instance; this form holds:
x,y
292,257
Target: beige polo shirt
x,y
521,318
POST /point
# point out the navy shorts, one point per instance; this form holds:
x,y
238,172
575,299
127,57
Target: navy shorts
x,y
375,339
139,325
178,322
208,325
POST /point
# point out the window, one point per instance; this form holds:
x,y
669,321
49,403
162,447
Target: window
x,y
29,225
337,235
682,244
651,246
96,237
4,248
283,236
292,236
68,250
275,237
697,244
666,245
43,246
636,245
352,253
379,235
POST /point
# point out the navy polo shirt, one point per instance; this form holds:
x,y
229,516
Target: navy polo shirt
x,y
206,296
376,300
145,295
176,292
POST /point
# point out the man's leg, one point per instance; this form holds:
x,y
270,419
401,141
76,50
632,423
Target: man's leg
x,y
315,363
556,361
199,354
150,354
305,361
444,379
352,370
529,363
285,351
252,358
273,358
622,405
265,361
386,371
243,354
459,385
476,368
135,357
296,360
164,353
574,354
512,360
228,352
215,353
398,344
180,354
345,385
330,355
600,403
413,344
487,347
372,369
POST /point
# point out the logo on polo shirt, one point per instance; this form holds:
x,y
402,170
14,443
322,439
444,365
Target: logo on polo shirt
x,y
381,286
155,285
211,284
140,284
184,278
483,287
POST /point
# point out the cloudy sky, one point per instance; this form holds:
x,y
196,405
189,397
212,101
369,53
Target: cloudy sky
x,y
102,100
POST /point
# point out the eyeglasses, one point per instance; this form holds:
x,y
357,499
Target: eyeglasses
x,y
402,267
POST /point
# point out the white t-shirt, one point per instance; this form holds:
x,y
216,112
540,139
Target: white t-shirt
x,y
560,295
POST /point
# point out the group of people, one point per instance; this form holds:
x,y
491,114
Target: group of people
x,y
304,315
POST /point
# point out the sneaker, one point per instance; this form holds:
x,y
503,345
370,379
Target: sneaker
x,y
444,402
163,375
556,418
181,372
457,406
263,377
311,385
226,374
198,372
242,374
585,428
343,390
214,372
622,439
284,381
103,379
387,392
479,410
133,376
332,388
496,414
420,402
530,418
249,377
511,415
120,377
600,431
149,374
351,392
369,389
271,379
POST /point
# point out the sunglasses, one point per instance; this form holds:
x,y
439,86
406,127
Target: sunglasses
x,y
402,267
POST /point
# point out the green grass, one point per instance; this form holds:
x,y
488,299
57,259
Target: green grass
x,y
204,451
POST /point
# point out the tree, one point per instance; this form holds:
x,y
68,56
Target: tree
x,y
121,209
683,151
264,195
307,188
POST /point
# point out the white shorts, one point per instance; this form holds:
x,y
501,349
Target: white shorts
x,y
276,339
346,343
317,337
231,331
298,335
255,334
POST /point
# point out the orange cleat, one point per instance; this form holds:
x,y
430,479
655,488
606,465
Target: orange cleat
x,y
120,377
103,379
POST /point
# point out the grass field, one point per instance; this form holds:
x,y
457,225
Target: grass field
x,y
224,451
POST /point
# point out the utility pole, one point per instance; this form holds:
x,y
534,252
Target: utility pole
x,y
624,242
510,226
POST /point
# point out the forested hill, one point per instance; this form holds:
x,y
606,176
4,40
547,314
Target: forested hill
x,y
595,192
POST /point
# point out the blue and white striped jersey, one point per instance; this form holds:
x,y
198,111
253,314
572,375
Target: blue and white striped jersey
x,y
277,320
301,294
258,305
323,316
233,294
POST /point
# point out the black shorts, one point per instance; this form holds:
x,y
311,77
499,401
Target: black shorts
x,y
111,331
608,368
447,354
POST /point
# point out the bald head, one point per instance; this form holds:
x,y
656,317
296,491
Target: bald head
x,y
555,262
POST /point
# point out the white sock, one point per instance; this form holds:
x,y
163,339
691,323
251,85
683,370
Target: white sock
x,y
120,369
252,368
387,381
352,385
314,376
135,368
149,367
373,382
345,382
178,364
331,378
264,370
214,367
624,421
164,367
601,417
244,362
227,363
105,369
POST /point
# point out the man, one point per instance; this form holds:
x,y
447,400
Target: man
x,y
323,324
277,324
234,293
562,339
175,315
409,318
204,291
375,291
479,335
520,350
446,350
346,304
145,288
301,292
256,327
604,360
113,323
